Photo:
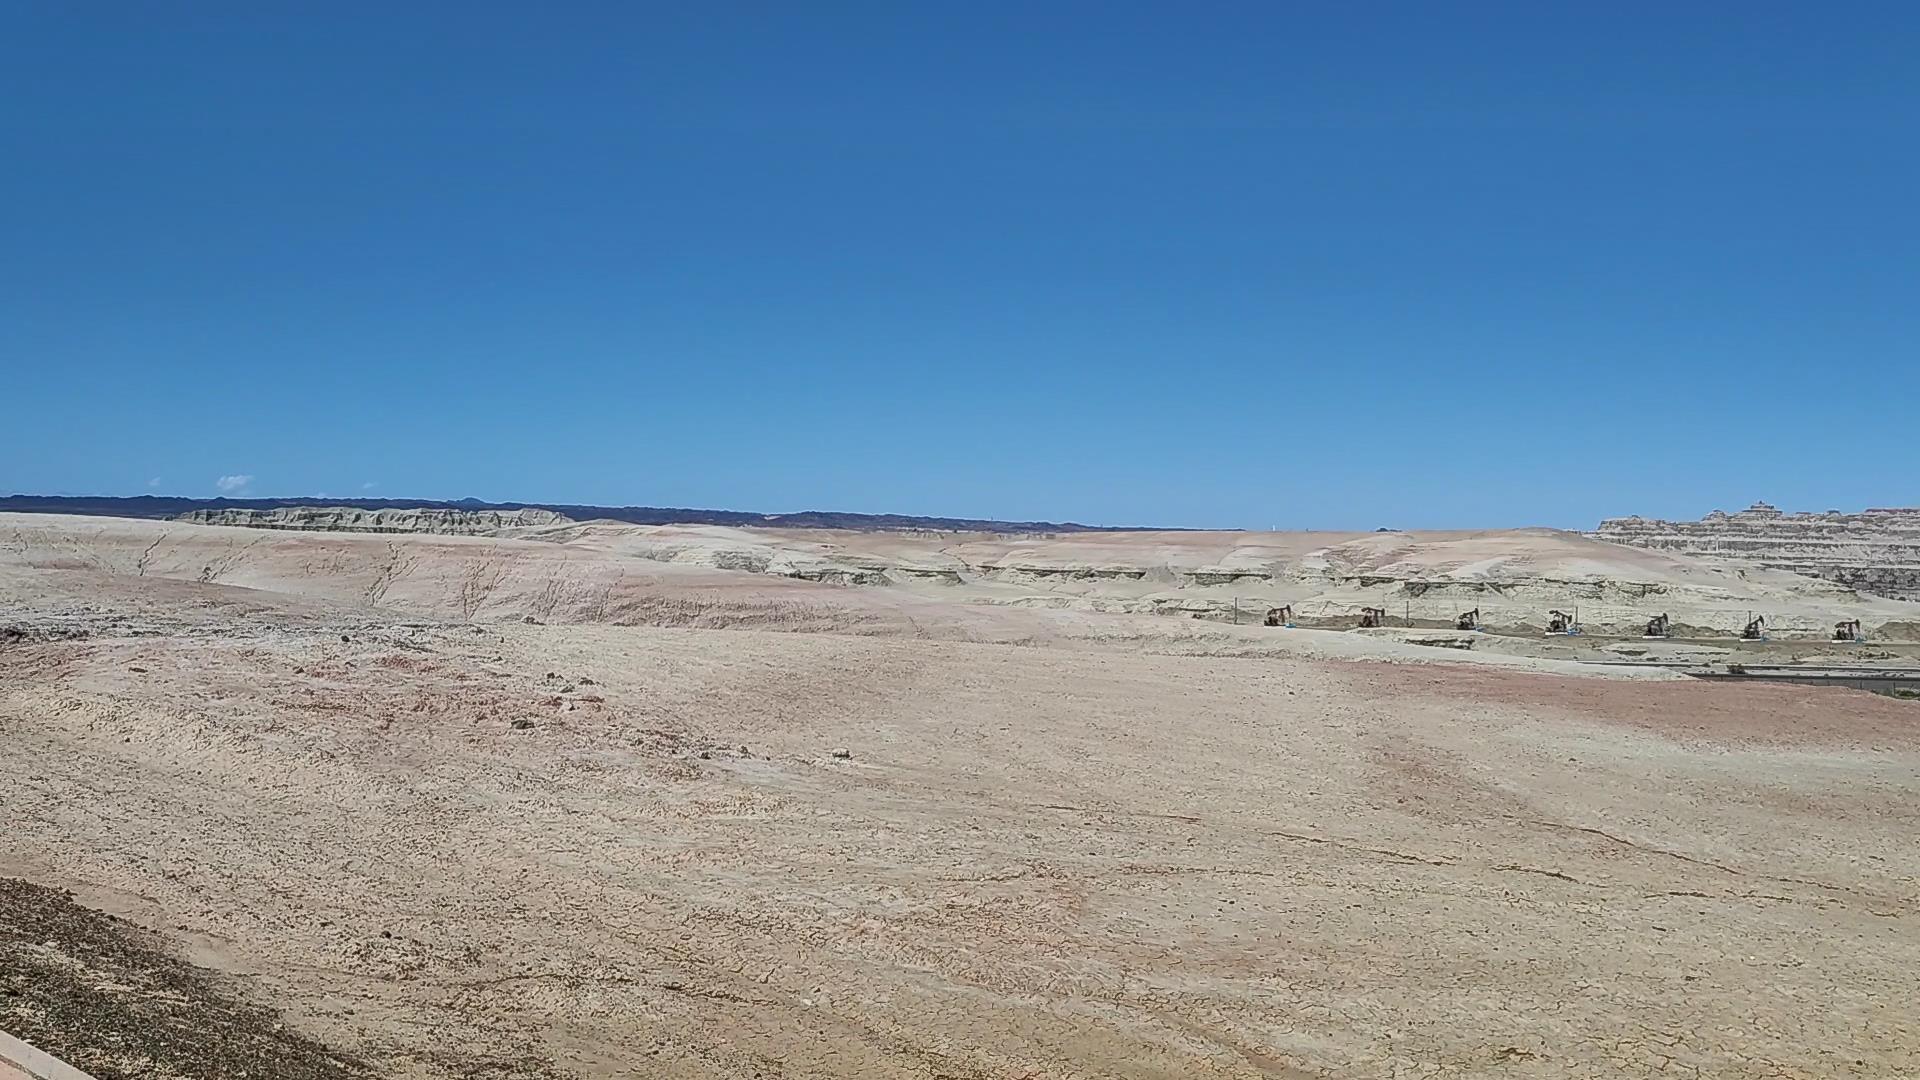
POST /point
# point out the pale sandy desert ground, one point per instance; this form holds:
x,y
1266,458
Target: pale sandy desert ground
x,y
743,803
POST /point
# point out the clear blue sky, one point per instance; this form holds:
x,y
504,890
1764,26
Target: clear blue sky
x,y
1315,265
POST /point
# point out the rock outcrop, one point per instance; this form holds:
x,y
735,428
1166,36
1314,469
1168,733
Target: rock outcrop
x,y
355,520
1875,551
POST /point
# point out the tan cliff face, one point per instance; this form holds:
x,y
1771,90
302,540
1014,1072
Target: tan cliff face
x,y
1876,551
355,519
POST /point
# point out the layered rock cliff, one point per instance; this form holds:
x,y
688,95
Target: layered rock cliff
x,y
1876,551
354,519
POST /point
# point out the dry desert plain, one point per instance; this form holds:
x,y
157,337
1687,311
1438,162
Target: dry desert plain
x,y
597,800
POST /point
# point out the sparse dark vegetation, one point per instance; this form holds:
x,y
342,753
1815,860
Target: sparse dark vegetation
x,y
107,997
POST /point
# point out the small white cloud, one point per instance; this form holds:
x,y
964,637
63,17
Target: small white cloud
x,y
238,482
319,494
369,485
153,483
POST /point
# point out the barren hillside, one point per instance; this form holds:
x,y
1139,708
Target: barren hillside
x,y
563,805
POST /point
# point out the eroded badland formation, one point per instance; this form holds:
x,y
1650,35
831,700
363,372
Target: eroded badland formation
x,y
1875,551
422,794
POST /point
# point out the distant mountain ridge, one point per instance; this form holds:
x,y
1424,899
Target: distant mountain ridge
x,y
170,506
